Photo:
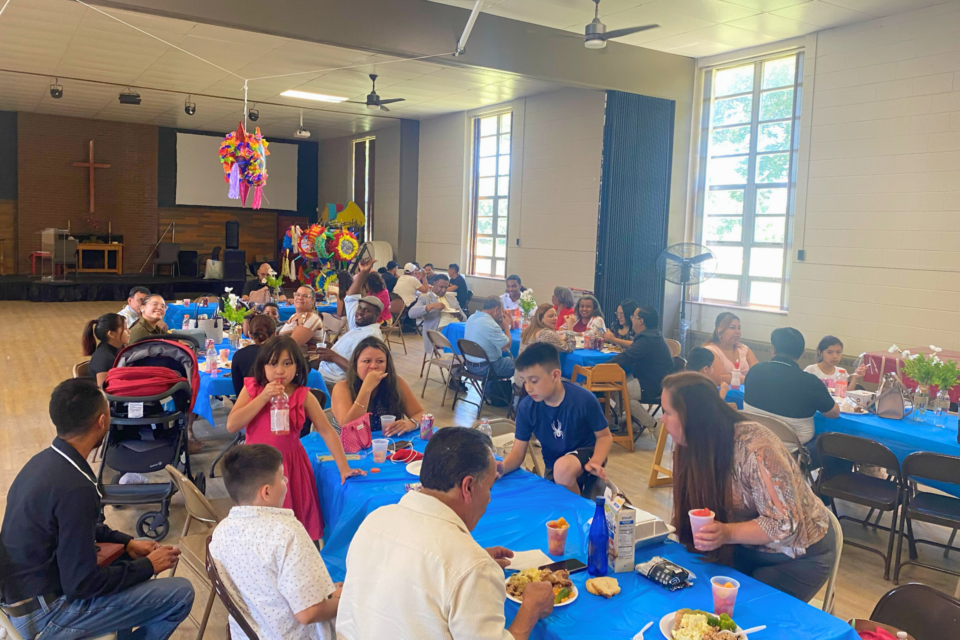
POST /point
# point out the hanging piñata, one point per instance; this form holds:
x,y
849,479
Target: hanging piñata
x,y
244,159
346,245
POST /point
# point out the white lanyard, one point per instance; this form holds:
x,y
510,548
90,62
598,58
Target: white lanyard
x,y
77,467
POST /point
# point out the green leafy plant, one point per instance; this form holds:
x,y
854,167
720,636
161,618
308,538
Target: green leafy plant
x,y
233,309
929,370
273,281
527,302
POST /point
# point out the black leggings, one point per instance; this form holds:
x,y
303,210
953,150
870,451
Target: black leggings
x,y
799,577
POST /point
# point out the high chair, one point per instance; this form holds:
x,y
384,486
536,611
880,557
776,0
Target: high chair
x,y
608,379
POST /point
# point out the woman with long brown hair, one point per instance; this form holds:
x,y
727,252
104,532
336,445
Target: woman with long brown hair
x,y
768,523
726,346
541,329
373,386
102,339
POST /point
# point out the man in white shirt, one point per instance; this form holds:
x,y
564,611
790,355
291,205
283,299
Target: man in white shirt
x,y
511,298
131,312
408,284
435,310
265,557
363,316
414,570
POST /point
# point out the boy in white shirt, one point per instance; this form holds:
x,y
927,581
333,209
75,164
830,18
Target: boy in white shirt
x,y
265,557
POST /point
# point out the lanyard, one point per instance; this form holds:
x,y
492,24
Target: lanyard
x,y
77,467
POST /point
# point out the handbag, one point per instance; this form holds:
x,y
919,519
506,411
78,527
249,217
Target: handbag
x,y
355,436
893,399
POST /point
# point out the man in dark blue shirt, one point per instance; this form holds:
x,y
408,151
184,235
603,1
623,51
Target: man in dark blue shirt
x,y
565,417
646,362
50,581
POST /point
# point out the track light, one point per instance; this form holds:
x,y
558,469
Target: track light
x,y
129,97
253,114
189,108
56,91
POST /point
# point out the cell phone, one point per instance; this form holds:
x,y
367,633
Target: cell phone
x,y
365,251
571,565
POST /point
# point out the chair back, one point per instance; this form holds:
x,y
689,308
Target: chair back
x,y
472,349
830,593
780,429
923,612
938,467
215,254
396,307
321,396
858,451
81,369
225,598
439,341
679,364
607,373
168,252
197,505
674,347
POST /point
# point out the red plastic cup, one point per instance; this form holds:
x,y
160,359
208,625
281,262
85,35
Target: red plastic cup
x,y
556,539
724,598
700,518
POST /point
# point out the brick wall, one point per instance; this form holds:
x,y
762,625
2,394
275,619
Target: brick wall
x,y
8,215
201,229
51,191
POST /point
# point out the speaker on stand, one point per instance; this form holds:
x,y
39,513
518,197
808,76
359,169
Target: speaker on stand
x,y
234,264
233,234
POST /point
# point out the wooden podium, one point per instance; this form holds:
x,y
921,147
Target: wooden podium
x,y
99,258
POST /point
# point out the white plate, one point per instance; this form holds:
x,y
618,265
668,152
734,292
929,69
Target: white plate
x,y
666,625
576,592
414,468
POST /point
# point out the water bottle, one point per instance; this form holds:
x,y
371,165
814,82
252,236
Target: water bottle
x,y
484,427
735,376
211,360
186,321
597,542
280,415
840,386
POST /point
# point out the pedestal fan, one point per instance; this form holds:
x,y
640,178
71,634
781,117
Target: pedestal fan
x,y
686,264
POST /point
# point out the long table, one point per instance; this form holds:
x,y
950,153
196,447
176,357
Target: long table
x,y
582,357
175,312
222,385
521,504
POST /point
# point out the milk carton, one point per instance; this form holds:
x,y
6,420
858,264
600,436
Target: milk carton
x,y
620,527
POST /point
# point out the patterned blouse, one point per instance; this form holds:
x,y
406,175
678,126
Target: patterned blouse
x,y
565,341
768,486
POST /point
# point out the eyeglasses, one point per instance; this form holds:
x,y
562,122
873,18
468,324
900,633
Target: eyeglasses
x,y
302,296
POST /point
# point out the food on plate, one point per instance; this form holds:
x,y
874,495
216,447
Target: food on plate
x,y
690,624
563,589
606,587
559,523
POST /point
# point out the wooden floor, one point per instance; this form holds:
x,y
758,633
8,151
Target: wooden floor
x,y
43,343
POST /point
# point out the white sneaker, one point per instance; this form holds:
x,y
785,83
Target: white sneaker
x,y
134,478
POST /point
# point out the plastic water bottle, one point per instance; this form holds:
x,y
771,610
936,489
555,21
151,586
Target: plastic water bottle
x,y
280,415
186,321
211,360
597,542
735,376
484,427
840,386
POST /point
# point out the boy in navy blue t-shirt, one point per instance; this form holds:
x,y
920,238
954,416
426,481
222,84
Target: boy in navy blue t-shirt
x,y
565,417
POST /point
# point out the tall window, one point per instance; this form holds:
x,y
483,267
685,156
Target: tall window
x,y
491,191
364,155
749,150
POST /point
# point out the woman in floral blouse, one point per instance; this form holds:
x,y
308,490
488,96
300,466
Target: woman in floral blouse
x,y
769,524
541,330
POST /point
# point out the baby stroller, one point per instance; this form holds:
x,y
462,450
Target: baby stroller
x,y
151,390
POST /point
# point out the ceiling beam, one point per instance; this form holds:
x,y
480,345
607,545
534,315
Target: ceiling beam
x,y
411,28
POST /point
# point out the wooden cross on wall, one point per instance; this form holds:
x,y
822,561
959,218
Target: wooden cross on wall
x,y
91,165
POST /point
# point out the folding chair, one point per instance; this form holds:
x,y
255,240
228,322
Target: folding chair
x,y
440,359
789,439
477,380
227,601
399,313
829,595
608,379
81,369
926,613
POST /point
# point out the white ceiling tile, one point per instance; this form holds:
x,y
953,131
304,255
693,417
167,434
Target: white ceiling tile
x,y
822,14
878,8
671,23
773,25
766,5
710,10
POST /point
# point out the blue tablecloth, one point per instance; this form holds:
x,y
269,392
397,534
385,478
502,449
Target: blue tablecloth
x,y
583,357
736,396
222,385
175,312
520,506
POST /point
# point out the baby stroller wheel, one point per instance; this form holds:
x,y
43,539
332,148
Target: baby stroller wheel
x,y
153,525
200,481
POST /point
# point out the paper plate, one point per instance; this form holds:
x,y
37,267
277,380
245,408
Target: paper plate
x,y
576,592
414,468
666,625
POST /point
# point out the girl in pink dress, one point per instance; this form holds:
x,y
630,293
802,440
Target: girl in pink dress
x,y
281,368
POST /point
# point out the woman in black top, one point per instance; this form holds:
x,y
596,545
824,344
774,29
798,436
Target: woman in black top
x,y
262,328
110,330
620,331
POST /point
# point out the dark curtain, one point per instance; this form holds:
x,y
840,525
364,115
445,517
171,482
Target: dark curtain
x,y
634,199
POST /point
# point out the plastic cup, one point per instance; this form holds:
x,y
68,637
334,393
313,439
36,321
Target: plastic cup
x,y
386,419
380,450
698,520
556,539
724,598
224,355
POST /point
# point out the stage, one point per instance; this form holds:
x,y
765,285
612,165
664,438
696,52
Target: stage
x,y
87,287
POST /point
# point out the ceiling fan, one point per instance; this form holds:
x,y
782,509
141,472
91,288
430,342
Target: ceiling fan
x,y
595,34
373,100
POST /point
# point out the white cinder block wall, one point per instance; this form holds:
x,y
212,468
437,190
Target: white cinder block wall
x,y
554,194
878,197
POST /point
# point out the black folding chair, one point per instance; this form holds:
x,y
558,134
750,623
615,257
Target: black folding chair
x,y
924,506
852,486
479,381
921,611
225,598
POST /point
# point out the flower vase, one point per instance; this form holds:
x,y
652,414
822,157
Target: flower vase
x,y
235,332
921,398
941,407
